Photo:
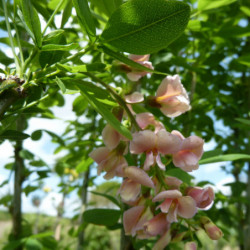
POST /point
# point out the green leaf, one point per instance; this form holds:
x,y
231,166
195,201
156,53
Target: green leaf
x,y
5,59
32,21
82,68
106,6
180,174
245,60
33,244
208,4
119,56
13,135
146,26
229,157
245,10
106,217
61,85
244,121
7,84
83,165
36,135
96,97
52,47
53,34
109,197
66,13
85,17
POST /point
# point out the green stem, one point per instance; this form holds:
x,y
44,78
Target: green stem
x,y
117,97
20,48
29,59
160,177
52,16
17,61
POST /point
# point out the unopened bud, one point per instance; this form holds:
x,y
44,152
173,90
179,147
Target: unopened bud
x,y
213,231
190,246
178,237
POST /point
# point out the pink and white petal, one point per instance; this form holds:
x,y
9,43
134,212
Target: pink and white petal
x,y
139,58
179,134
99,154
173,194
168,143
142,141
190,168
110,137
150,161
135,97
147,65
129,190
138,175
146,216
172,213
144,119
131,217
194,144
186,207
134,76
165,205
157,225
173,181
163,241
159,162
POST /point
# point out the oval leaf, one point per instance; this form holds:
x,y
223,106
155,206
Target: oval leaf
x,y
106,217
85,17
146,26
13,135
67,47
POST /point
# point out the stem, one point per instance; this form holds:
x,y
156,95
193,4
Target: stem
x,y
84,205
19,178
117,97
52,16
160,177
17,61
29,60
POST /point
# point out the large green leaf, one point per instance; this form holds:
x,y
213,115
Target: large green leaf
x,y
32,21
85,17
107,196
180,174
106,217
212,4
106,6
146,26
243,121
229,157
102,103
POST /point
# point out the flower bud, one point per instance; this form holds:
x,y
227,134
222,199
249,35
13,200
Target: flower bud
x,y
213,231
190,246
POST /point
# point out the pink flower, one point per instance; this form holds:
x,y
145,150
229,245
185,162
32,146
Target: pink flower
x,y
158,225
111,137
154,144
146,119
175,204
135,97
136,74
131,186
188,156
172,97
135,218
190,246
112,162
202,196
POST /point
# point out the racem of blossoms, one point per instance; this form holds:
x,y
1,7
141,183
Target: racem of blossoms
x,y
161,206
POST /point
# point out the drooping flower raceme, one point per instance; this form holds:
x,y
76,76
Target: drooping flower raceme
x,y
154,144
136,74
172,97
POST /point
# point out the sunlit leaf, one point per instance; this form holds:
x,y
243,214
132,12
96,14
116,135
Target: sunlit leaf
x,y
109,197
229,157
146,26
208,4
67,47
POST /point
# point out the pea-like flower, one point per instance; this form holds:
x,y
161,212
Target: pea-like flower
x,y
136,74
172,97
188,156
175,204
154,144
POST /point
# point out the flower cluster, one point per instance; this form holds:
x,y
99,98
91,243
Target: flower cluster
x,y
157,201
